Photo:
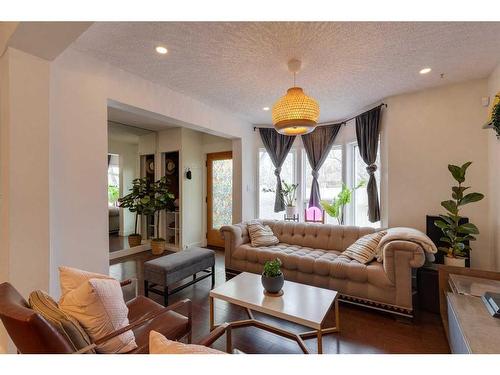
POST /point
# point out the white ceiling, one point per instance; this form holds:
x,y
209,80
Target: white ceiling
x,y
346,66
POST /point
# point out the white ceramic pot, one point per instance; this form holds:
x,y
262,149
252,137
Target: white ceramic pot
x,y
455,262
291,211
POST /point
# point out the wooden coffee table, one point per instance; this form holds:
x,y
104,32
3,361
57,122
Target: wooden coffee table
x,y
302,304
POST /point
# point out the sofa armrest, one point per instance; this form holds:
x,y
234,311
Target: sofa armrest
x,y
400,257
234,236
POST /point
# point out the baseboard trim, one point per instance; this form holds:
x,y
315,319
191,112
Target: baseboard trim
x,y
133,250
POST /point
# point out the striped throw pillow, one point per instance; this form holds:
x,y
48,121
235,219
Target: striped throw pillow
x,y
364,250
67,326
261,235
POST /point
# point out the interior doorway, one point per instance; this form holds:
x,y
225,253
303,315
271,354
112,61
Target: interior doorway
x,y
219,195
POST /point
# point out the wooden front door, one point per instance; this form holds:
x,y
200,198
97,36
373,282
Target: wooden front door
x,y
219,195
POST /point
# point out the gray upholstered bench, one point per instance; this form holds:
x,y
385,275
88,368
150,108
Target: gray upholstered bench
x,y
170,269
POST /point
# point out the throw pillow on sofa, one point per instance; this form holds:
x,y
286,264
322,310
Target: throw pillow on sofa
x,y
261,235
365,249
98,305
159,344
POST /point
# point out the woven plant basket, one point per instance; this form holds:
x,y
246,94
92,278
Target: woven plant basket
x,y
134,240
158,246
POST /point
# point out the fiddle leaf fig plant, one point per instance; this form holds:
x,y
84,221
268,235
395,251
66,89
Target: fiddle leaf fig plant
x,y
456,235
136,199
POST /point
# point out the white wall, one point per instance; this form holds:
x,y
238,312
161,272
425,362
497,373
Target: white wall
x,y
494,167
24,135
80,89
422,133
129,169
191,190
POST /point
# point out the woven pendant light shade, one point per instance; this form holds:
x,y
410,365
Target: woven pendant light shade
x,y
295,113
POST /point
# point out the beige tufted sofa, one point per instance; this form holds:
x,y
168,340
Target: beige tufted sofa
x,y
311,254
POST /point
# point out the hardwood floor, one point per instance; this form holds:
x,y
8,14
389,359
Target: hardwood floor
x,y
362,330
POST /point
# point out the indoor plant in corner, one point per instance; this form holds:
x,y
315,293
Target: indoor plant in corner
x,y
457,235
159,199
134,201
272,277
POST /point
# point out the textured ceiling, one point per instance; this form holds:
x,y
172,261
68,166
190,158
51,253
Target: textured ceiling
x,y
346,66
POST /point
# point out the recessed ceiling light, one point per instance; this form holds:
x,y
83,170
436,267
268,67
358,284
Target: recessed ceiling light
x,y
161,50
425,70
265,108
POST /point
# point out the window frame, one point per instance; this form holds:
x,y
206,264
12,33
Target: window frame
x,y
347,142
295,174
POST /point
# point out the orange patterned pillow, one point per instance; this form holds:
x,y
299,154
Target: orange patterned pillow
x,y
159,344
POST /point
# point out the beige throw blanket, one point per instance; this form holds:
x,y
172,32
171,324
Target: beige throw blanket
x,y
406,234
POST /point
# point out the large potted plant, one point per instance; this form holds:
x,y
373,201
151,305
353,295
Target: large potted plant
x,y
272,277
290,198
135,201
456,235
336,208
159,199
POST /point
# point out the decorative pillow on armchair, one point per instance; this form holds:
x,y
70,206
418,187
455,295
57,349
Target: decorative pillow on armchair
x,y
159,344
364,250
98,305
261,235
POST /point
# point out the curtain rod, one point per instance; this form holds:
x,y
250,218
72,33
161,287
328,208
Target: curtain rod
x,y
344,122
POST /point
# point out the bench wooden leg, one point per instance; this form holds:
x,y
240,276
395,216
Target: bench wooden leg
x,y
213,276
165,296
146,288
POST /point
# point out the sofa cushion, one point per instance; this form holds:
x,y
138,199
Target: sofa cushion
x,y
315,261
261,235
159,344
321,236
365,249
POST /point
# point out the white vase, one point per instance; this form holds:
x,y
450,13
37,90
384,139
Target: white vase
x,y
455,262
291,211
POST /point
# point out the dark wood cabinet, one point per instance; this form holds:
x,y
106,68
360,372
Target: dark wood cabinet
x,y
428,288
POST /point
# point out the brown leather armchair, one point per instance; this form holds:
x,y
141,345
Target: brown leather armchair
x,y
32,334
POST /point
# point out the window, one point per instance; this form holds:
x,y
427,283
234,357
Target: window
x,y
343,165
113,179
267,183
360,198
330,178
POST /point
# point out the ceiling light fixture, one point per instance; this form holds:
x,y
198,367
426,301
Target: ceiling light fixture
x,y
265,108
425,70
161,50
295,113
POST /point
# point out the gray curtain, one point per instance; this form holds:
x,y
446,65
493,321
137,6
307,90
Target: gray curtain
x,y
367,134
277,146
317,145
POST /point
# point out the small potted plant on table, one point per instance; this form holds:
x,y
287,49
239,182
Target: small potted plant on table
x,y
272,277
457,235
